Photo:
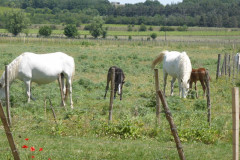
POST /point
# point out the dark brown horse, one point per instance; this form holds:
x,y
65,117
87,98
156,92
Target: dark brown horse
x,y
119,81
198,75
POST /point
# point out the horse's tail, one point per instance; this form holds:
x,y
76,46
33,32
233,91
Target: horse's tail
x,y
158,59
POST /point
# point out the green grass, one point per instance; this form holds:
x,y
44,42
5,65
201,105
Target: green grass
x,y
84,133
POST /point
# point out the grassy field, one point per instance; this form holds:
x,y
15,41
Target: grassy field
x,y
84,133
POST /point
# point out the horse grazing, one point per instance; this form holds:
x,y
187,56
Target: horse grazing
x,y
177,65
198,75
41,69
119,81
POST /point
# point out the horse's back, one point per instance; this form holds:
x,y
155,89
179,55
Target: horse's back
x,y
44,68
176,63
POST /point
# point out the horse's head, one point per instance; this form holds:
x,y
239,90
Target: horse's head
x,y
184,87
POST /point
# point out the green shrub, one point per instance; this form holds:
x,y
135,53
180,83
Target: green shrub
x,y
182,28
167,28
200,104
153,36
142,27
70,31
45,31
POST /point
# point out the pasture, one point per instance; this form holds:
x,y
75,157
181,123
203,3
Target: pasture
x,y
84,133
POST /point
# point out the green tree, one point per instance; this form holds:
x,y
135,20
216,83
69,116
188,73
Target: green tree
x,y
70,31
16,22
45,31
153,36
96,27
142,27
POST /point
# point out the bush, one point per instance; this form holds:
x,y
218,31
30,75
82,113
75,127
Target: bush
x,y
70,31
45,31
167,28
142,27
182,28
153,36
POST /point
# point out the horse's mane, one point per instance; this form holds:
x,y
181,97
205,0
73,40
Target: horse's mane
x,y
13,69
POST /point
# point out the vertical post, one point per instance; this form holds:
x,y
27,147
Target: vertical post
x,y
218,66
208,97
225,64
157,97
61,90
229,66
237,65
112,94
172,125
235,118
222,70
234,63
9,134
7,96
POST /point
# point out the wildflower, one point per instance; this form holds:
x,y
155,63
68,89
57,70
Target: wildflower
x,y
40,149
32,149
26,139
24,146
33,156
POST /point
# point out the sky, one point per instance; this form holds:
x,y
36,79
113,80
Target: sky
x,y
164,2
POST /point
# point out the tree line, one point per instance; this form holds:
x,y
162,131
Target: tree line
x,y
206,13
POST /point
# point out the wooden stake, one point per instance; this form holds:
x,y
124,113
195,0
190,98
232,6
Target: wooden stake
x,y
9,134
218,66
208,98
112,94
7,96
157,97
235,119
172,125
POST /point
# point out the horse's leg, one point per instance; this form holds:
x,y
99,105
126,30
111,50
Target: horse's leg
x,y
179,87
165,81
108,80
196,89
28,89
203,87
61,85
172,85
69,89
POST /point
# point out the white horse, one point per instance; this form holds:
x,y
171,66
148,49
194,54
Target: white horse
x,y
178,66
41,69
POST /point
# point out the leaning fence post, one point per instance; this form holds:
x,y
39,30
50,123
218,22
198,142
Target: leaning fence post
x,y
9,134
208,97
218,66
157,97
7,96
235,118
172,125
112,94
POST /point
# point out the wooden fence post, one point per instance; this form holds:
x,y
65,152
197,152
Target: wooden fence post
x,y
112,94
9,134
235,118
222,70
208,97
225,64
229,66
157,97
218,66
172,125
234,63
7,96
